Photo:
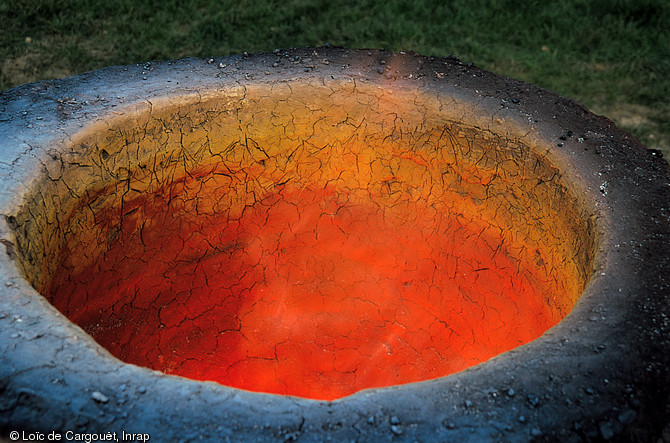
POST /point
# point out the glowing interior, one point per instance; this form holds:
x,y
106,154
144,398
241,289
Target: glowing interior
x,y
304,238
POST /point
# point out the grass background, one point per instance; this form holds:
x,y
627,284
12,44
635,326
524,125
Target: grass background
x,y
611,55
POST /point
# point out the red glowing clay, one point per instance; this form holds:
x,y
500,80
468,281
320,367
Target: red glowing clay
x,y
307,292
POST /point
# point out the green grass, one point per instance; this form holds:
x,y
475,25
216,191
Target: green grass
x,y
611,55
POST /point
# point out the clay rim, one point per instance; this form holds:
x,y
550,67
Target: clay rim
x,y
618,328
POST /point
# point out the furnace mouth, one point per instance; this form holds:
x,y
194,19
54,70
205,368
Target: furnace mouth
x,y
306,238
307,224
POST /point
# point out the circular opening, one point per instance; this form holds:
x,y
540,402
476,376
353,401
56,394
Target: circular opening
x,y
305,238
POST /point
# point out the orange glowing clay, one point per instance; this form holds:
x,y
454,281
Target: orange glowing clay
x,y
306,294
320,264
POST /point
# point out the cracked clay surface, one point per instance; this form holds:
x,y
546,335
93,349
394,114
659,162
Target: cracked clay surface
x,y
286,246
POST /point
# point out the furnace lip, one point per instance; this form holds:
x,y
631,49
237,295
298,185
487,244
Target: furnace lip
x,y
600,373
